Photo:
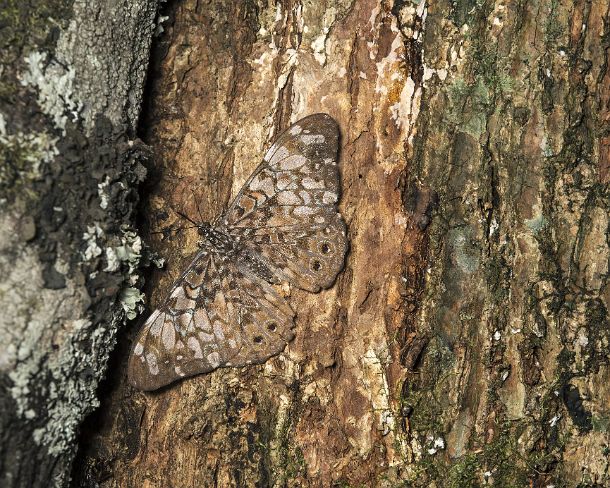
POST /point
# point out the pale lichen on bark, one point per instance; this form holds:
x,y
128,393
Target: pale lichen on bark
x,y
61,304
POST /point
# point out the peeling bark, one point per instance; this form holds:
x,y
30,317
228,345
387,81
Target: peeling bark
x,y
466,341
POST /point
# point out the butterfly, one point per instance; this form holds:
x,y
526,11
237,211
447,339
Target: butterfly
x,y
283,226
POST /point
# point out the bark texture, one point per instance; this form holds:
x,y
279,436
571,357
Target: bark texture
x,y
466,342
72,77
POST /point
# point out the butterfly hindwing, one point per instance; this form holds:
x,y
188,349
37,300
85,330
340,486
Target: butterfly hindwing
x,y
266,320
287,210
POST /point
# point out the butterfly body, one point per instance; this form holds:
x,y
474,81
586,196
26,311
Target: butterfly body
x,y
283,226
226,247
217,241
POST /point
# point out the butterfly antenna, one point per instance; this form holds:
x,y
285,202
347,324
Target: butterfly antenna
x,y
186,217
177,229
197,205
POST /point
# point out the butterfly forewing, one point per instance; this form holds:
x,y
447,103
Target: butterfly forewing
x,y
172,335
282,226
287,210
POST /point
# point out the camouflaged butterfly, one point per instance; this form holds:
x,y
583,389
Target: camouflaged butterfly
x,y
283,225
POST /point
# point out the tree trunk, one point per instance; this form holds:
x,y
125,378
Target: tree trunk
x,y
466,341
72,76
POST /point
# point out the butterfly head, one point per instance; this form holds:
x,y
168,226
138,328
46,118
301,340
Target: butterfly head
x,y
204,230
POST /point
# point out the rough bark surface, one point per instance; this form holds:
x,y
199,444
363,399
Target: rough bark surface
x,y
72,77
466,342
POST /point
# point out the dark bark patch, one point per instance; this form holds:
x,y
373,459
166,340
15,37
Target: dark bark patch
x,y
574,404
529,362
52,278
604,160
419,203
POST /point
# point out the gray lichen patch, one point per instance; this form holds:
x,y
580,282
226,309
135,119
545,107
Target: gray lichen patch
x,y
75,281
53,83
51,351
315,24
131,300
21,155
465,253
69,253
109,82
80,361
36,328
469,104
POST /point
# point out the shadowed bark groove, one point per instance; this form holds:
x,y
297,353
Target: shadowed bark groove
x,y
466,341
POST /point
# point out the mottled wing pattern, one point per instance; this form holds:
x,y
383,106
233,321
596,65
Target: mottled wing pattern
x,y
266,320
283,225
218,314
286,213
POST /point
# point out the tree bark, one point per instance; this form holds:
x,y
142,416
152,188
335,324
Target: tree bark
x,y
72,77
466,341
